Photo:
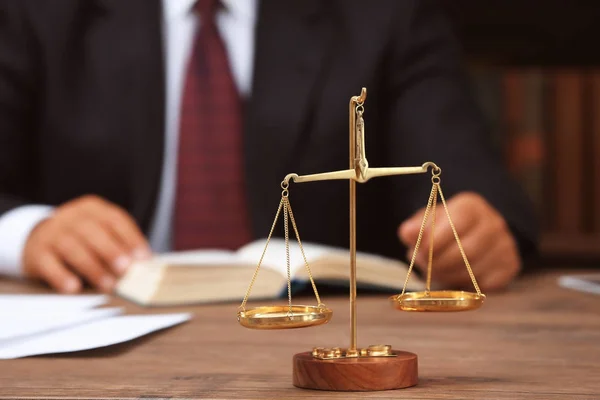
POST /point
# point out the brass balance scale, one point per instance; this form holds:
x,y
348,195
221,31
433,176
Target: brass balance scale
x,y
376,367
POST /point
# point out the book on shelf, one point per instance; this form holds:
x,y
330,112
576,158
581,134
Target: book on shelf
x,y
204,276
547,121
568,152
524,97
517,108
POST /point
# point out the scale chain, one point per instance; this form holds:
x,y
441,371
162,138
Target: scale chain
x,y
287,216
247,295
462,251
419,238
431,241
312,281
431,209
287,253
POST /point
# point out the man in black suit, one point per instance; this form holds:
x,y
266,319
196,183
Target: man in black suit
x,y
92,95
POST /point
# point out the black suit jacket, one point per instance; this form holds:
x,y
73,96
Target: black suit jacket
x,y
82,111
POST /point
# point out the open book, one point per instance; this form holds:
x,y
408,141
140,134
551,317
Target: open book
x,y
202,276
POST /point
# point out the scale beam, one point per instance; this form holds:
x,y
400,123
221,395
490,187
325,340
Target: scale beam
x,y
363,177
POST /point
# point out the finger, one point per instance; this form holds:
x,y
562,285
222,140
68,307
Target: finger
x,y
500,267
495,279
453,278
408,231
465,222
466,218
82,260
493,270
49,268
446,254
410,253
122,226
476,243
421,258
127,231
457,278
105,246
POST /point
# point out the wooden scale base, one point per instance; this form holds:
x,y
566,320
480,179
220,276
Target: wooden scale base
x,y
356,374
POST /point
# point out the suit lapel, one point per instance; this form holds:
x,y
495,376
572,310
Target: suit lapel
x,y
149,121
292,41
133,40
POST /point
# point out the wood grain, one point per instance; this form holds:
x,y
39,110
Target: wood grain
x,y
536,341
356,374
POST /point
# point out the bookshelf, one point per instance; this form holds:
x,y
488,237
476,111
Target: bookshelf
x,y
538,85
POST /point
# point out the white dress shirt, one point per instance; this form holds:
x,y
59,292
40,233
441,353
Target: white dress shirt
x,y
236,22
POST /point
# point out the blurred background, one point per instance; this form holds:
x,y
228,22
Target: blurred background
x,y
535,71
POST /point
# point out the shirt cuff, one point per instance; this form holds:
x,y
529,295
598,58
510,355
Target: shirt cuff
x,y
15,227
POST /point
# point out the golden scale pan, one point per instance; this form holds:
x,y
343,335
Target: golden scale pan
x,y
284,316
439,300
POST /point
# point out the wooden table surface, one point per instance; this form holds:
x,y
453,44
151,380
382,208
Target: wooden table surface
x,y
536,341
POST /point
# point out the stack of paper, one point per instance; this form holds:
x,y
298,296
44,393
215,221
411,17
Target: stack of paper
x,y
45,324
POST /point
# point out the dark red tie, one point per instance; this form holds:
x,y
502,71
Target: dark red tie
x,y
210,206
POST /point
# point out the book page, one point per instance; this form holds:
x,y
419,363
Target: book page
x,y
196,257
331,264
275,257
372,271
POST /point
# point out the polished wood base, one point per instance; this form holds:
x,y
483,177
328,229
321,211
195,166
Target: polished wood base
x,y
356,374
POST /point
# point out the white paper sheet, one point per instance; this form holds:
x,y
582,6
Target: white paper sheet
x,y
54,302
15,323
92,335
589,283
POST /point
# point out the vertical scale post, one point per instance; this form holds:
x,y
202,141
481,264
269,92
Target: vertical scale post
x,y
380,368
354,101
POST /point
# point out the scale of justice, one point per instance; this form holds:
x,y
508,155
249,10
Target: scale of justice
x,y
376,367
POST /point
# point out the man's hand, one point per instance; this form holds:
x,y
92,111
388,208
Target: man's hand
x,y
86,239
486,239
